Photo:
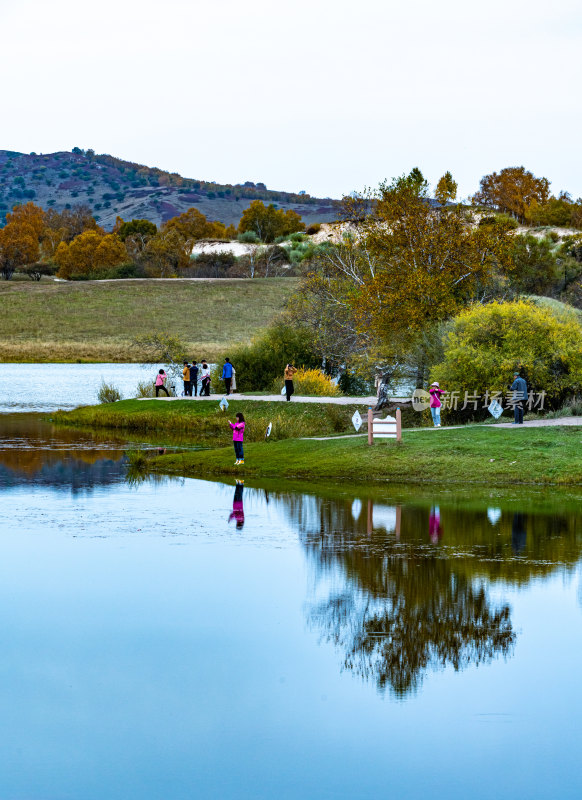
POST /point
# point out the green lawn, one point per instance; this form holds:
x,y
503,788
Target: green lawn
x,y
97,320
202,421
471,455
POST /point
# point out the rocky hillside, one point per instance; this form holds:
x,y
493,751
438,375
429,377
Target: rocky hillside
x,y
112,187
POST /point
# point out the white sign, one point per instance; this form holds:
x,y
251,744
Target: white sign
x,y
223,404
384,428
357,420
269,429
495,409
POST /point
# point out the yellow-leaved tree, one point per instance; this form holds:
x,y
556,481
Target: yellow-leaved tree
x,y
488,342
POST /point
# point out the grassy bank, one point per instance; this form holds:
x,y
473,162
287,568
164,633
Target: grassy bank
x,y
97,320
202,420
474,455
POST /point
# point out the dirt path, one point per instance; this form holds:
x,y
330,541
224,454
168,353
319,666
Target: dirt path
x,y
276,398
533,423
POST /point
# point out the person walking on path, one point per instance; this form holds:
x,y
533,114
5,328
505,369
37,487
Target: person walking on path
x,y
519,397
435,403
290,371
238,432
205,380
194,378
187,382
160,384
227,371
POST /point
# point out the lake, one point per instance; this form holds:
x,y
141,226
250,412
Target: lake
x,y
182,638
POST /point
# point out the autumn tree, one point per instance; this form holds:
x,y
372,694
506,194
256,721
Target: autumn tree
x,y
429,261
192,225
513,191
19,239
139,227
409,264
446,189
89,253
166,253
269,222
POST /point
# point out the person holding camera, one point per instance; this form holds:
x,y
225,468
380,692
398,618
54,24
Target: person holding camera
x,y
290,371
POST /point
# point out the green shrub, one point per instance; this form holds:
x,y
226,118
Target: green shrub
x,y
487,343
258,364
108,393
297,237
248,237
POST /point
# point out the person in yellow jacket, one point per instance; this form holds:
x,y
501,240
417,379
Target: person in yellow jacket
x,y
187,381
290,371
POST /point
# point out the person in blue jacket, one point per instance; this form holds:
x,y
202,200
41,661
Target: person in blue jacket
x,y
519,389
227,374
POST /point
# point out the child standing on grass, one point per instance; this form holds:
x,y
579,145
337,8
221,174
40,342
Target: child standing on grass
x,y
238,432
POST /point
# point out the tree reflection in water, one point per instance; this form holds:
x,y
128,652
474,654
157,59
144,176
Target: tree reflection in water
x,y
405,604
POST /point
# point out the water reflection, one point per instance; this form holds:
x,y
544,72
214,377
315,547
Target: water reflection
x,y
399,600
238,512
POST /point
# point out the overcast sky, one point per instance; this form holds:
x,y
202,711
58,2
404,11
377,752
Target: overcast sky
x,y
322,95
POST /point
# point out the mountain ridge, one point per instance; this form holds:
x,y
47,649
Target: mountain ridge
x,y
114,187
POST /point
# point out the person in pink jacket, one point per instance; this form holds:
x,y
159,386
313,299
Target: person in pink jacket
x,y
238,432
435,403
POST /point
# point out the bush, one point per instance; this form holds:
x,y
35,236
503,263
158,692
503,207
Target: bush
x,y
145,389
108,393
258,364
297,237
248,237
313,229
487,343
310,382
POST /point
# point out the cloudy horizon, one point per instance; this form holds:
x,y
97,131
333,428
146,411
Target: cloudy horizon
x,y
326,98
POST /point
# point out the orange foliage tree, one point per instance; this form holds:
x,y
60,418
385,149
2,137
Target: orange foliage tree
x,y
89,253
19,239
513,191
269,222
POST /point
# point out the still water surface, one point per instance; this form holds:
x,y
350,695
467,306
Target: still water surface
x,y
48,387
189,639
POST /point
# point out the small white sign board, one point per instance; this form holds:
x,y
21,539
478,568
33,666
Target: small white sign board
x,y
384,428
357,420
495,409
269,429
223,404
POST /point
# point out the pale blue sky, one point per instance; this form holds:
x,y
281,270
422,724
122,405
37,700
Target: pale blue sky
x,y
322,95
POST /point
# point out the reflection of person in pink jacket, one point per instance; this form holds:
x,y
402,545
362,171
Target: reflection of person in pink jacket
x,y
434,524
238,512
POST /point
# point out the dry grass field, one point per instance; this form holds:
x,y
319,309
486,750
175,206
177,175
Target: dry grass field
x,y
98,320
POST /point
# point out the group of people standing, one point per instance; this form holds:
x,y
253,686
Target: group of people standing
x,y
519,398
190,375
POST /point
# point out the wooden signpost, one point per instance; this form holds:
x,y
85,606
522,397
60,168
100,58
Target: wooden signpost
x,y
387,428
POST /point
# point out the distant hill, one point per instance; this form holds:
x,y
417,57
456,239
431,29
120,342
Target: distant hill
x,y
112,187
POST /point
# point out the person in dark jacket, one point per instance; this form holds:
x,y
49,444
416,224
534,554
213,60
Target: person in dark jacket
x,y
519,389
194,378
227,374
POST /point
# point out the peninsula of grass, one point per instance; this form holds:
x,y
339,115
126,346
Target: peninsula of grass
x,y
203,422
93,321
475,455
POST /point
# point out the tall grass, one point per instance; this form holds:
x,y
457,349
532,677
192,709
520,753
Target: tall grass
x,y
108,393
202,421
